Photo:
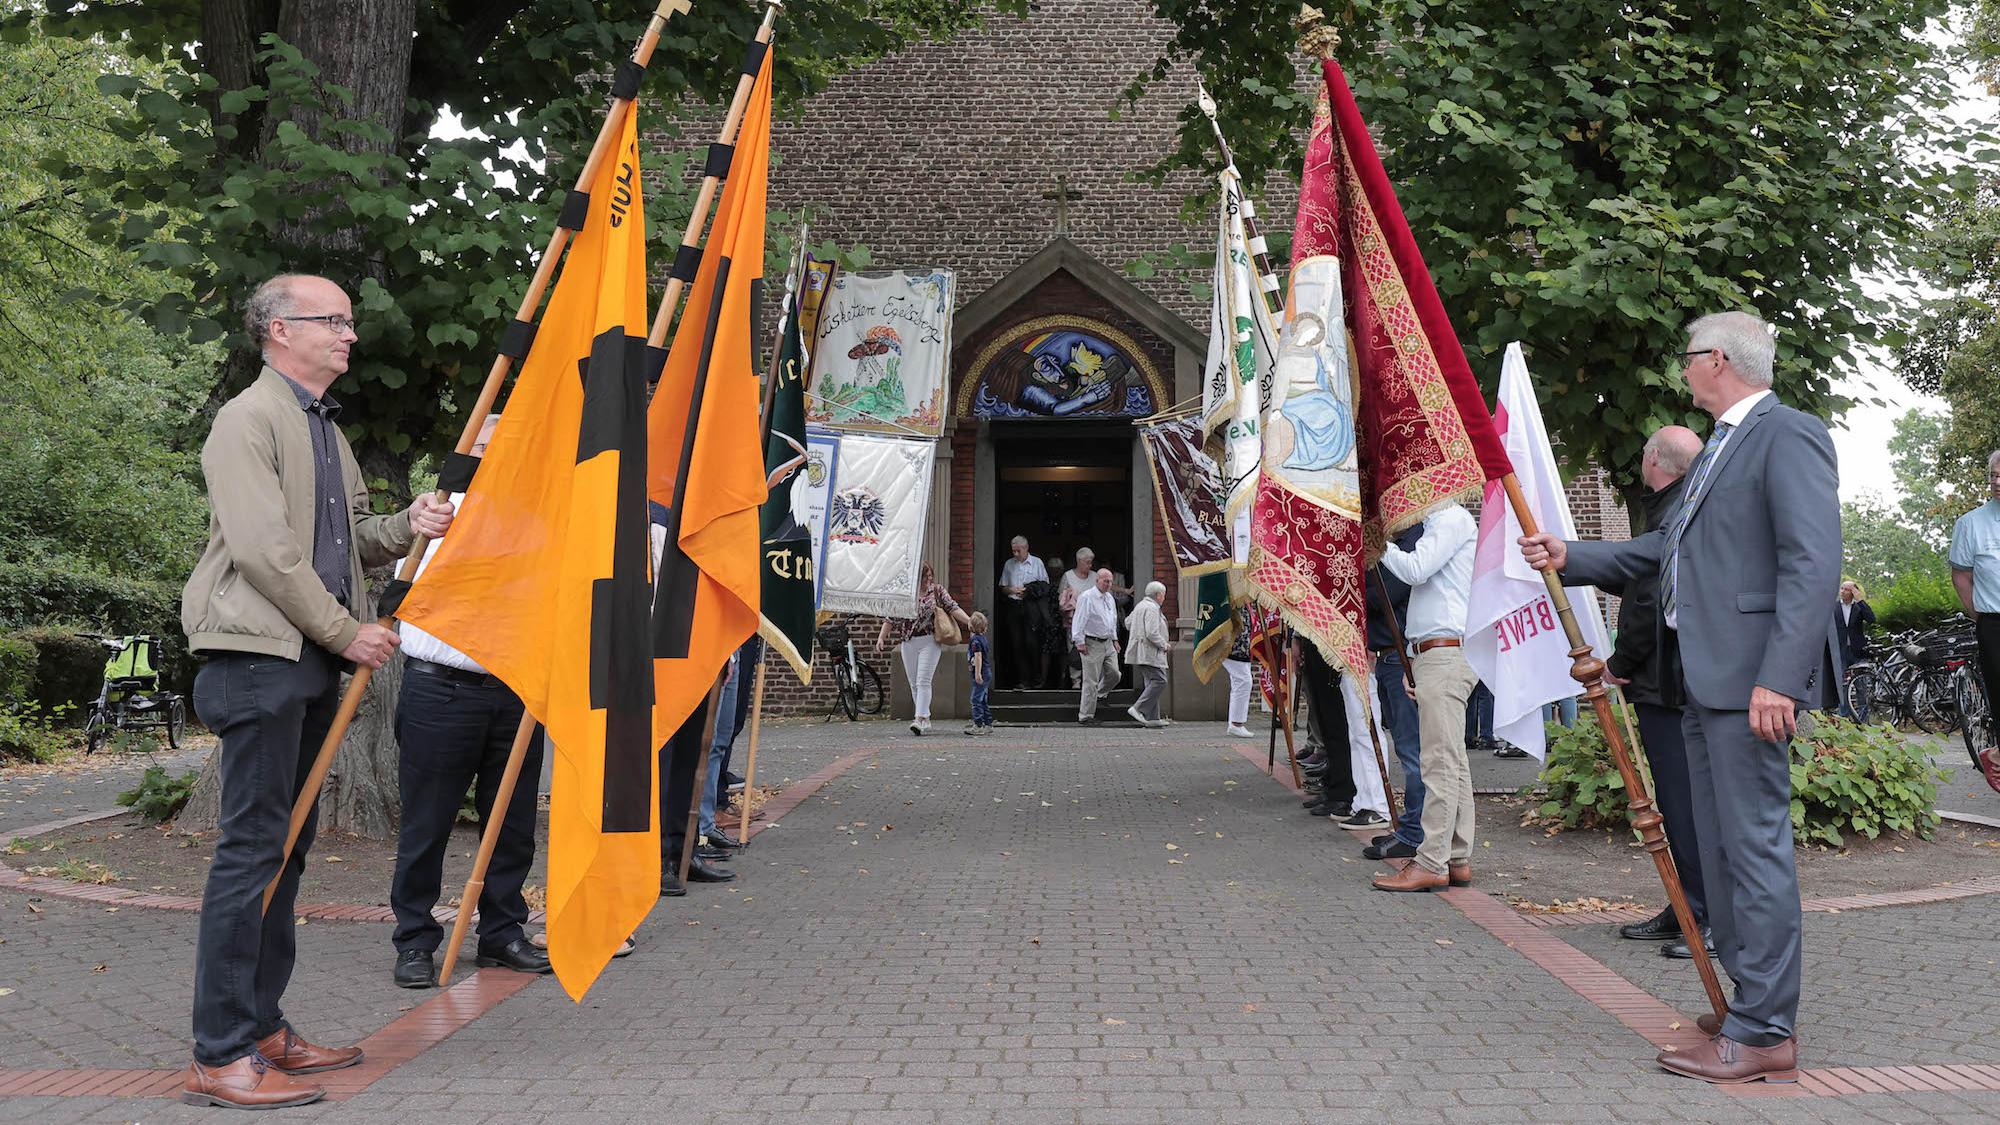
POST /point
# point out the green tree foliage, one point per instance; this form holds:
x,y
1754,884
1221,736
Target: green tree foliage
x,y
1877,547
100,508
1587,176
302,136
1955,352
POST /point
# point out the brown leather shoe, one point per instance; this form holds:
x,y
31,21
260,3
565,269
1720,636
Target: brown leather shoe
x,y
294,1055
1459,872
248,1083
1725,1061
1411,878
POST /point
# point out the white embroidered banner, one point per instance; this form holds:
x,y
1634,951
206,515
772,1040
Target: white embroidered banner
x,y
875,526
883,353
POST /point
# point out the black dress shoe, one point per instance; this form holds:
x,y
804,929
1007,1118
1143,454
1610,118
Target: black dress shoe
x,y
1394,849
1678,948
415,968
1339,810
1382,841
701,872
1660,927
517,955
670,883
718,855
721,839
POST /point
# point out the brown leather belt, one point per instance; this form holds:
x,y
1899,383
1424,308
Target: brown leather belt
x,y
1439,642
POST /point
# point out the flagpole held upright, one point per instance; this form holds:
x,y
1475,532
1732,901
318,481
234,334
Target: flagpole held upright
x,y
513,346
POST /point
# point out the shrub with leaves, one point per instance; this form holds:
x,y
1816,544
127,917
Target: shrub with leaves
x,y
1847,777
28,735
159,797
1584,787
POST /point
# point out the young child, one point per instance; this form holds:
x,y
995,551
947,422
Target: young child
x,y
980,653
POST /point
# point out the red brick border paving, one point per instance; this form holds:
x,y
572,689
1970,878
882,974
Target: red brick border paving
x,y
403,1039
1664,1026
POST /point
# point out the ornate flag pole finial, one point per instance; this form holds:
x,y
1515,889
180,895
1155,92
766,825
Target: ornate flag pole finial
x,y
1316,35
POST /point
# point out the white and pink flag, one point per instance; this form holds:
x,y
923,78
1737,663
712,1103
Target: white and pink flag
x,y
1513,638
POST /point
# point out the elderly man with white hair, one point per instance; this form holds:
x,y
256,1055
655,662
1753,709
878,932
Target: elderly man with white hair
x,y
1017,653
1147,652
1094,632
1747,565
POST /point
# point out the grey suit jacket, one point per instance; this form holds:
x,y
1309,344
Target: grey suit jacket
x,y
1759,565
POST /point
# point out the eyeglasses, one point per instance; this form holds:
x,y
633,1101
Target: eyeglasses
x,y
334,321
1688,357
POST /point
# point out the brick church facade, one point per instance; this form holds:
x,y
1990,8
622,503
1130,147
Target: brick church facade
x,y
996,155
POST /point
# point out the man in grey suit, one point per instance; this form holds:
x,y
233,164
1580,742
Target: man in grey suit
x,y
1748,566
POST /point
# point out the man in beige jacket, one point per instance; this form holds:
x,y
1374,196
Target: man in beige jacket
x,y
278,607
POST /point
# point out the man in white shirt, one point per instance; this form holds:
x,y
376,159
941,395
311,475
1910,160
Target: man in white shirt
x,y
1017,653
1439,573
1094,632
455,726
1975,572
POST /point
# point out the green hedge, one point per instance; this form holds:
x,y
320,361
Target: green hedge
x,y
1845,778
1920,598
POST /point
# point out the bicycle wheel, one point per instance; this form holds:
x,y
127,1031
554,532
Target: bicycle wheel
x,y
1861,695
1936,711
1974,711
870,693
850,695
95,730
176,719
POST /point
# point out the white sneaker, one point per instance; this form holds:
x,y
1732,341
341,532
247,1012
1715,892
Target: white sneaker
x,y
1136,716
1239,731
917,727
1156,722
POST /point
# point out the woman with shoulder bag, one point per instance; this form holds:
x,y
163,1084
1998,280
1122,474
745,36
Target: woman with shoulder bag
x,y
938,622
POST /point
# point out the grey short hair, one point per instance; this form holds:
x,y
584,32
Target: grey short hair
x,y
268,302
1156,589
1992,459
1085,553
1743,337
1018,541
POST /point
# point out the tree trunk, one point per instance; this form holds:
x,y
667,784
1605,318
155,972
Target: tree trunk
x,y
363,46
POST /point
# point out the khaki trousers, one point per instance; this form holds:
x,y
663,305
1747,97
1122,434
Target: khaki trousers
x,y
1444,683
1100,674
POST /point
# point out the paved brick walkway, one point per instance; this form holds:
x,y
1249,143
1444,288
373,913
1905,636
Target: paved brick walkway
x,y
1050,926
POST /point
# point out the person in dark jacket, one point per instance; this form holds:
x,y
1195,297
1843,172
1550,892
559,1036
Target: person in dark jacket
x,y
1389,598
1854,616
1649,673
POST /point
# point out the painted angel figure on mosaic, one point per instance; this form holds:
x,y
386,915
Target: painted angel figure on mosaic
x,y
1311,425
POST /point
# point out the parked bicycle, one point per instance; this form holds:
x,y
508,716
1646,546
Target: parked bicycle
x,y
130,698
858,688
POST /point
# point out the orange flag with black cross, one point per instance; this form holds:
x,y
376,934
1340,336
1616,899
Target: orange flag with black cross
x,y
707,458
544,576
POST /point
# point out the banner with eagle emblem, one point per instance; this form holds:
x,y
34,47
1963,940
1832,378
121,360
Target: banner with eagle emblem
x,y
875,520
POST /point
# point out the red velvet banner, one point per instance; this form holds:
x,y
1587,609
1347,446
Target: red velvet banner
x,y
1422,434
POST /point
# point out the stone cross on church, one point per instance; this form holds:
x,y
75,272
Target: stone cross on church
x,y
1062,194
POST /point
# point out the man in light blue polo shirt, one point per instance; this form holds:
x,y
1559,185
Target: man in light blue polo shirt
x,y
1975,570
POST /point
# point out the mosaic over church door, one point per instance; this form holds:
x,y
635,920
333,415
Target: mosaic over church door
x,y
1062,367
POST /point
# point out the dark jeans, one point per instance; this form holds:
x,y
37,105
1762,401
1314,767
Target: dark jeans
x,y
451,734
1328,717
679,759
1666,749
1399,714
1020,664
1988,632
1479,715
270,714
982,712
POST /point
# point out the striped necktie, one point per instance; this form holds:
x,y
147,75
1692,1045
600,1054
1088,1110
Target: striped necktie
x,y
1697,483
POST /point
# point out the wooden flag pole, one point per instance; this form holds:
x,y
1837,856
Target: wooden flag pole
x,y
489,837
692,839
705,198
1292,709
750,768
1588,670
489,392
